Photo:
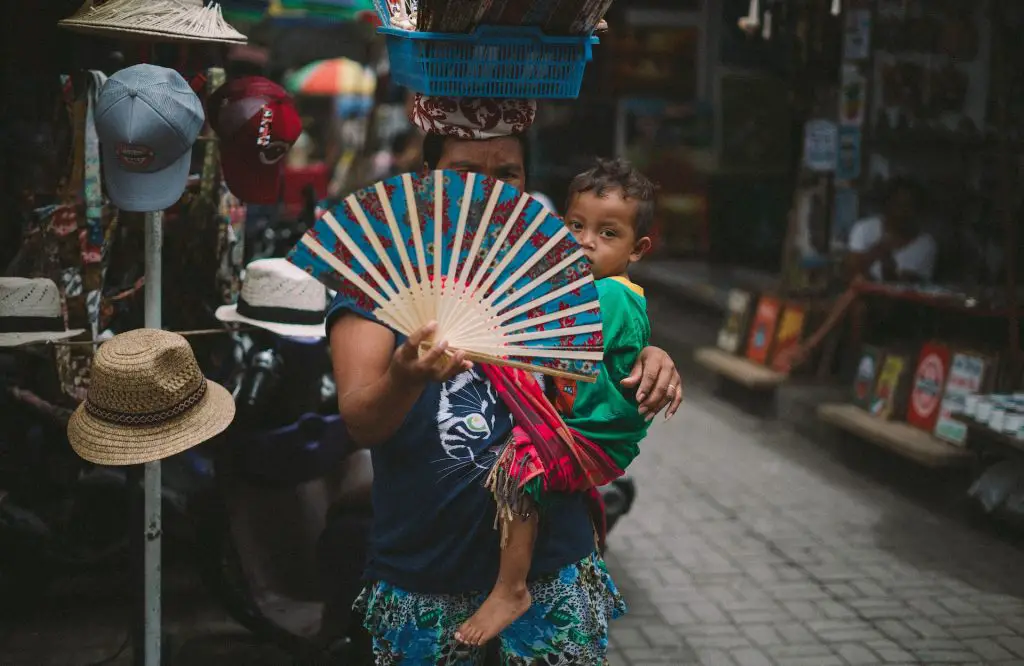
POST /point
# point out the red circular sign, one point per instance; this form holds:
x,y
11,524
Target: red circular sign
x,y
928,385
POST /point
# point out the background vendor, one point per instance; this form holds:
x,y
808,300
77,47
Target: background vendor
x,y
891,247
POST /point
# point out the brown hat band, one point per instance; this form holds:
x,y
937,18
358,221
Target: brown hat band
x,y
147,418
19,324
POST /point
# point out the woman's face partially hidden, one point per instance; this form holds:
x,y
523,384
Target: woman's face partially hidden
x,y
501,159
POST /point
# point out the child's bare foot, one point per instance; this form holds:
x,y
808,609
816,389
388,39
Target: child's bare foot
x,y
503,606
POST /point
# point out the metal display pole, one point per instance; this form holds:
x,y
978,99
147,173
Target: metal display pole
x,y
151,485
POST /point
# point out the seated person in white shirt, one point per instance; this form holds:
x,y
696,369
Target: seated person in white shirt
x,y
886,248
892,248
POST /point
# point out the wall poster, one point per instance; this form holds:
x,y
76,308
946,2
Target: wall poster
x,y
848,162
857,35
853,94
821,143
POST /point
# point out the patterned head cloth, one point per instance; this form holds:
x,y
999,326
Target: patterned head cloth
x,y
473,118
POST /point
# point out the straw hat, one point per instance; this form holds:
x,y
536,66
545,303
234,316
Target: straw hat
x,y
281,298
165,20
30,311
147,400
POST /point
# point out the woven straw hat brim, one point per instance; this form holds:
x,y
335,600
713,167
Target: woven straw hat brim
x,y
122,31
18,339
229,314
109,444
164,19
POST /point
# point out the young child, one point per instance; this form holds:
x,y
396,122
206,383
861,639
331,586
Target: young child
x,y
610,210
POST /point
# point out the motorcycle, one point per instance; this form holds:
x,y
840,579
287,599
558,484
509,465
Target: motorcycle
x,y
618,497
291,495
59,514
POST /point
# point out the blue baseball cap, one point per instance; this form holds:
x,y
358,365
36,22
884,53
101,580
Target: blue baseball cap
x,y
147,119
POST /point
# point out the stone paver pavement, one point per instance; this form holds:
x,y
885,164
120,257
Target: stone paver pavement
x,y
751,546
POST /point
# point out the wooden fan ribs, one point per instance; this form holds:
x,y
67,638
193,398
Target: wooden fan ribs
x,y
501,275
486,319
499,242
463,318
400,305
452,291
386,314
499,270
514,297
410,285
438,250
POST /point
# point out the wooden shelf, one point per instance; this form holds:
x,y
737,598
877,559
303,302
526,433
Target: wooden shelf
x,y
896,436
980,436
739,370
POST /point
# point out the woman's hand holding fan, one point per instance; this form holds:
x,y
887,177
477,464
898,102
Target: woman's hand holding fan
x,y
501,275
414,363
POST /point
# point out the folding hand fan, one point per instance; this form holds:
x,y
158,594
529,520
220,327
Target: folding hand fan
x,y
502,276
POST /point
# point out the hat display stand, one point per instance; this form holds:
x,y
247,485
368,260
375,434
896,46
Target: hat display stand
x,y
138,192
152,480
147,543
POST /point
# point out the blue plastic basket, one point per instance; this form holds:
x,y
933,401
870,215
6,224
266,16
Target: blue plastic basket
x,y
492,61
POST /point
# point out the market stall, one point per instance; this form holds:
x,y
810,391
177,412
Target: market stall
x,y
916,109
97,239
922,104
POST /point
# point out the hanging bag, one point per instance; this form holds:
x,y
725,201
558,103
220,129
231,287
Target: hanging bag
x,y
68,242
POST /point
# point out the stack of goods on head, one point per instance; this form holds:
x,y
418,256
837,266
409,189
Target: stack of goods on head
x,y
554,17
535,49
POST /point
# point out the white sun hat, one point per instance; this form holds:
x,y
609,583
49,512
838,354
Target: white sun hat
x,y
168,20
281,298
30,312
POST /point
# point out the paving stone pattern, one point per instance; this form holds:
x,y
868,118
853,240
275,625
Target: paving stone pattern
x,y
751,546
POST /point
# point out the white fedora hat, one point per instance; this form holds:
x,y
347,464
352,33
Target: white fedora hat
x,y
281,298
30,311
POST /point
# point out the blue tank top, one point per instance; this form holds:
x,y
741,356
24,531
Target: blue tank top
x,y
433,524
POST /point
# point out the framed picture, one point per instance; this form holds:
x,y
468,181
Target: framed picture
x,y
762,332
928,386
790,333
733,334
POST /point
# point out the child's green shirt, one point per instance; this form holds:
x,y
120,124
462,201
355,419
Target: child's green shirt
x,y
605,412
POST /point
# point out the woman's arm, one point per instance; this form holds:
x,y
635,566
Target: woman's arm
x,y
860,263
378,384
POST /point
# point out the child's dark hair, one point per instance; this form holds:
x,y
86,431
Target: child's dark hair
x,y
619,174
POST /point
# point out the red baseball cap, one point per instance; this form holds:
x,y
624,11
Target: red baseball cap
x,y
257,123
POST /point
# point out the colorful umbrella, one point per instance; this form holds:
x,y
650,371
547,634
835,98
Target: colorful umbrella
x,y
320,11
331,78
301,12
